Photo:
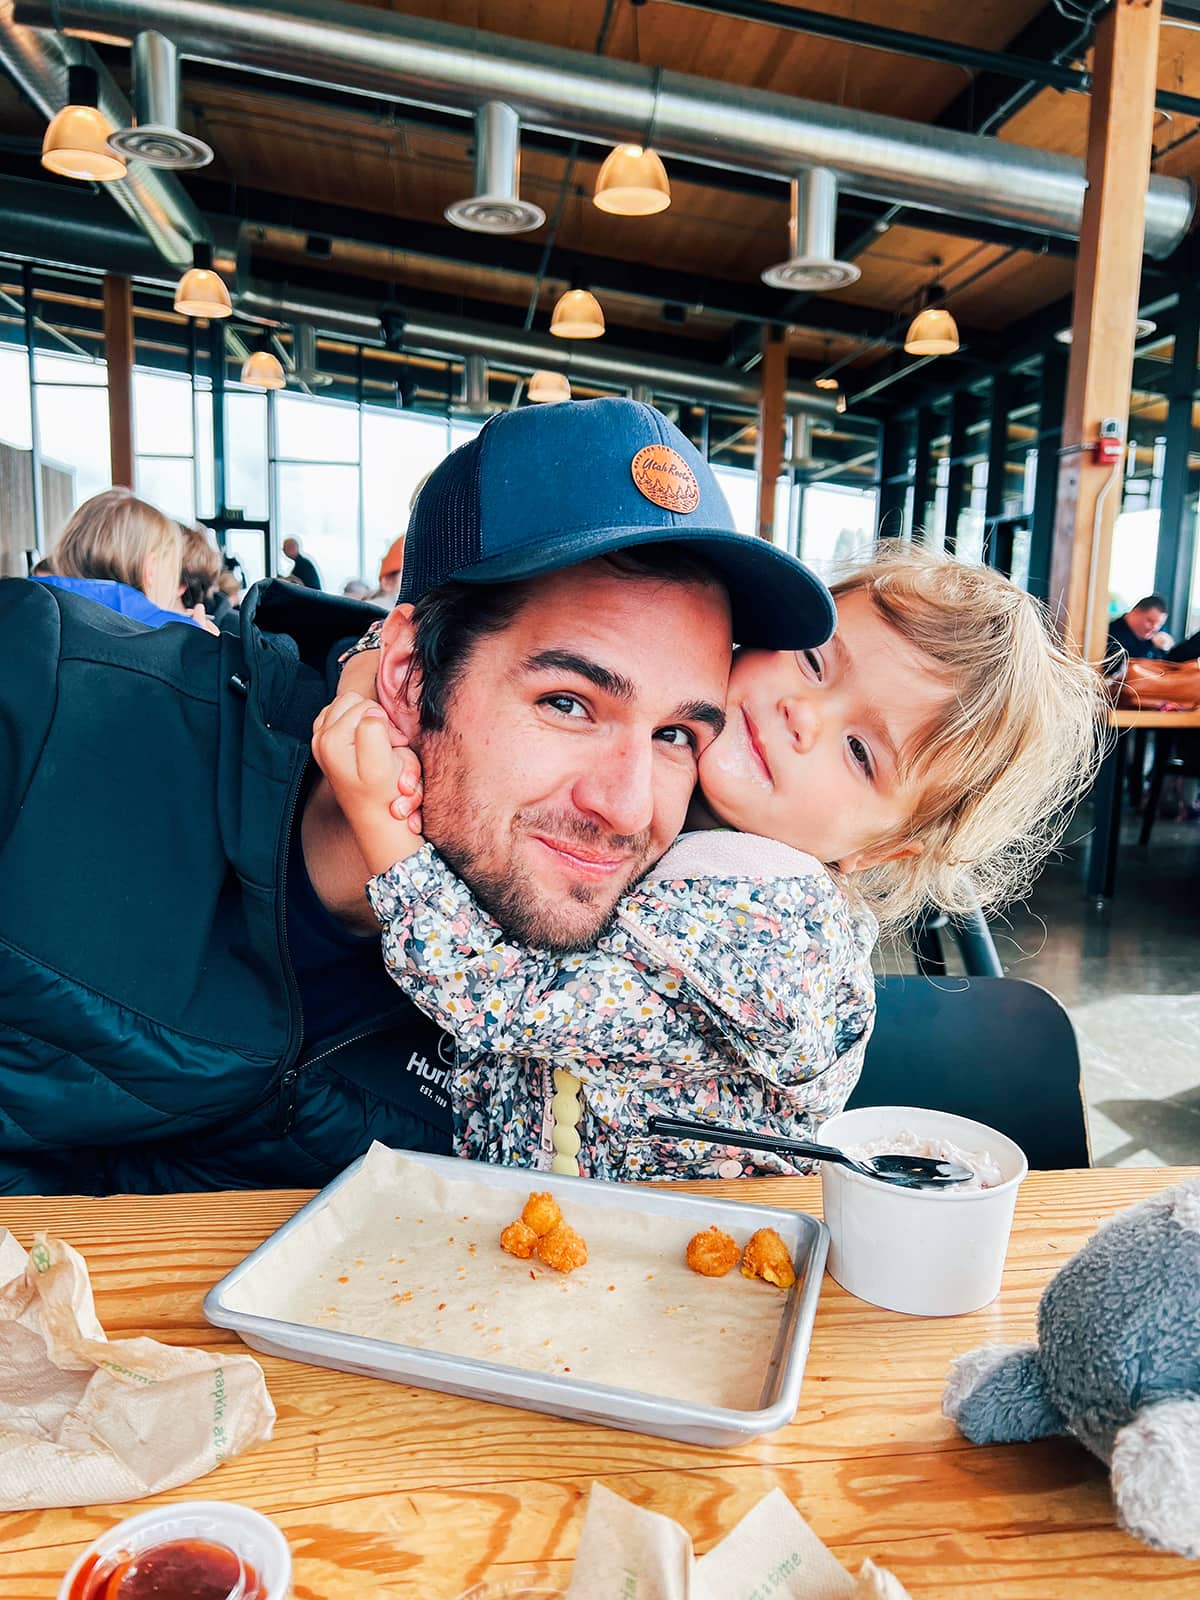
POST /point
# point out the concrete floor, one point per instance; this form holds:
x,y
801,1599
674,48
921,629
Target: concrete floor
x,y
1128,972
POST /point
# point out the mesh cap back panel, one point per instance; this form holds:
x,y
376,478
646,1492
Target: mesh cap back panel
x,y
445,531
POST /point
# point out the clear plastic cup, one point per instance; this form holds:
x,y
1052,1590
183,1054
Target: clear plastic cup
x,y
242,1555
927,1252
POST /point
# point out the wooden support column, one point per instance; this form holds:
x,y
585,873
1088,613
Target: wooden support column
x,y
772,419
1107,279
118,352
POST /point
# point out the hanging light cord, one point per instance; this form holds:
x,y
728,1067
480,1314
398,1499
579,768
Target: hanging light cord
x,y
564,187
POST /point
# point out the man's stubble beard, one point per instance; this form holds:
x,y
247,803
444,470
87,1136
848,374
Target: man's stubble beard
x,y
461,832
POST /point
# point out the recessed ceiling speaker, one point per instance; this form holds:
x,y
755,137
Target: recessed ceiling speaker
x,y
812,267
496,206
156,137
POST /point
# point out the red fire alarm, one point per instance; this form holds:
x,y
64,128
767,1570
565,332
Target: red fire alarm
x,y
1106,451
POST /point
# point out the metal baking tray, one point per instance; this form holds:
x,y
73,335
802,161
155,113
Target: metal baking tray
x,y
576,1398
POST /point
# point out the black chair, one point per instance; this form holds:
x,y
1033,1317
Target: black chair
x,y
1176,754
970,932
999,1050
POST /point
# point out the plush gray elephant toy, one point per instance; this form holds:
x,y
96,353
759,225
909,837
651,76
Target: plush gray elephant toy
x,y
1117,1364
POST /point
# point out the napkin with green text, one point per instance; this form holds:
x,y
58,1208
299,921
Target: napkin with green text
x,y
626,1553
85,1419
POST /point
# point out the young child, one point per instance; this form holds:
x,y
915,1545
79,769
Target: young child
x,y
928,754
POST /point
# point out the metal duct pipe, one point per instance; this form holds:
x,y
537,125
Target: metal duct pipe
x,y
387,56
74,228
38,64
155,136
496,206
812,266
425,333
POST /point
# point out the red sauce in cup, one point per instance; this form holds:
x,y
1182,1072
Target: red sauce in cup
x,y
179,1569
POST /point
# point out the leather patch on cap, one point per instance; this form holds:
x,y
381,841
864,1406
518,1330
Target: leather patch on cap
x,y
662,475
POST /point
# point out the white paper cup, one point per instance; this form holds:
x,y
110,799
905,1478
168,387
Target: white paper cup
x,y
928,1252
255,1539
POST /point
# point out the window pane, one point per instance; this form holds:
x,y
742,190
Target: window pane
x,y
249,547
398,451
246,452
14,399
315,430
168,485
162,414
70,369
74,434
318,505
839,526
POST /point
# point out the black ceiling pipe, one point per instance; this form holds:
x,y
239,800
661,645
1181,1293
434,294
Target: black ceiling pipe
x,y
797,20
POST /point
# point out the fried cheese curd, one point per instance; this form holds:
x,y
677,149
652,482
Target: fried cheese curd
x,y
712,1253
541,1212
767,1257
541,1231
519,1239
562,1248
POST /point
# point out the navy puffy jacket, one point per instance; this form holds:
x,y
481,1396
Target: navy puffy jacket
x,y
150,1029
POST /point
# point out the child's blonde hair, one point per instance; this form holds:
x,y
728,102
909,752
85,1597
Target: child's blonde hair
x,y
114,535
998,771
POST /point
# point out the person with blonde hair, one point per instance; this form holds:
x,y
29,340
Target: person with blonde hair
x,y
125,554
928,753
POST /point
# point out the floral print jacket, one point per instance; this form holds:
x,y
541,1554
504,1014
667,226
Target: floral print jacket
x,y
735,986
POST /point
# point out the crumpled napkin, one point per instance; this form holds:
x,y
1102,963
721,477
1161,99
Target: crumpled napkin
x,y
85,1419
626,1553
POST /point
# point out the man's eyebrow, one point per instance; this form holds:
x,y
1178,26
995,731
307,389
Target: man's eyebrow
x,y
617,685
702,711
612,683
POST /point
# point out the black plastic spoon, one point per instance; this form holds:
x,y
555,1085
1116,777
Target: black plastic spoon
x,y
910,1172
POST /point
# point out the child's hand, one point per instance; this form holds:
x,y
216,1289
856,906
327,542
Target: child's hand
x,y
376,782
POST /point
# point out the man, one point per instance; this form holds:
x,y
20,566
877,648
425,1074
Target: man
x,y
1140,631
191,992
391,570
303,570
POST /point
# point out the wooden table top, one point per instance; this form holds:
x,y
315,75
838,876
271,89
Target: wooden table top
x,y
1127,717
392,1491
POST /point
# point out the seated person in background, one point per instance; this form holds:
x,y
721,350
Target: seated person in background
x,y
191,989
1140,631
126,555
894,767
357,589
303,570
201,574
391,571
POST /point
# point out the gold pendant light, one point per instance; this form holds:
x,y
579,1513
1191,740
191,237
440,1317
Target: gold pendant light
x,y
201,291
549,388
933,331
76,142
262,368
577,316
632,183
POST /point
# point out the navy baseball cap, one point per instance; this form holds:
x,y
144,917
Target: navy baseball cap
x,y
549,486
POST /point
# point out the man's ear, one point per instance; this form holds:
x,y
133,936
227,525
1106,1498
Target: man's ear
x,y
398,682
860,860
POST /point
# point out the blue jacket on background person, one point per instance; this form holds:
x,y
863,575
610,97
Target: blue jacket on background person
x,y
152,1035
122,598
